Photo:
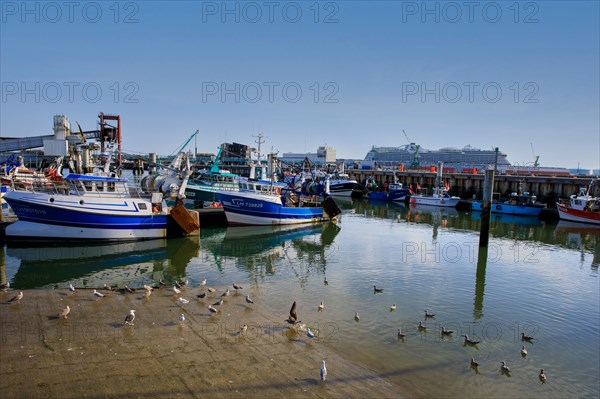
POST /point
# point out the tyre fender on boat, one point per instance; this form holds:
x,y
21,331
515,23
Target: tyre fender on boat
x,y
498,207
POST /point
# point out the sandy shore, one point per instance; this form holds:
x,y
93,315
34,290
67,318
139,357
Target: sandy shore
x,y
92,354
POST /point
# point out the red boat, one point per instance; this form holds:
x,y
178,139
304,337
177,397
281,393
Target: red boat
x,y
581,208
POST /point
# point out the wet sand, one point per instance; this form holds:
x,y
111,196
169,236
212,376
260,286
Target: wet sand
x,y
92,354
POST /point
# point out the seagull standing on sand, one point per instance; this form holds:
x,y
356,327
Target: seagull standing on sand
x,y
64,312
97,294
107,287
211,289
237,287
202,295
5,286
226,293
218,303
542,376
130,317
293,317
243,329
213,310
17,298
176,290
310,334
248,300
148,289
183,301
181,319
71,288
323,371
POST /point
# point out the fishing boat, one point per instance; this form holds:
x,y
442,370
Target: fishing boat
x,y
259,202
581,208
85,207
394,192
203,186
524,204
440,197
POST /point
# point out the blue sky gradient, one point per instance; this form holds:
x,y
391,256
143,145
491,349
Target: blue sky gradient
x,y
364,57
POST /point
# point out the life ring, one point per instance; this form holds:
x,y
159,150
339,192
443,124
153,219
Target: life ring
x,y
277,190
498,207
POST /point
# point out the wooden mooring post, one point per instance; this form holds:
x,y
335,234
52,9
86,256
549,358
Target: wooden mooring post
x,y
486,208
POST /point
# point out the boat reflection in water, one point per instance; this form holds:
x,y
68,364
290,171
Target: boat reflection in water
x,y
132,263
585,237
259,248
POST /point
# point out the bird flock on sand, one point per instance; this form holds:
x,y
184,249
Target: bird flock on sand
x,y
292,319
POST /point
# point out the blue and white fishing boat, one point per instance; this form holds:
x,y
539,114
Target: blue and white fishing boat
x,y
517,204
265,203
394,192
85,207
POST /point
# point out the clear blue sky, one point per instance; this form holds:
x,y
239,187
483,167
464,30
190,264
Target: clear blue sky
x,y
375,58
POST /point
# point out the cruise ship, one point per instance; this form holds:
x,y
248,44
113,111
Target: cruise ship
x,y
414,155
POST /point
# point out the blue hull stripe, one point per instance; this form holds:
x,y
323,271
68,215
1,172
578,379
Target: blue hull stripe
x,y
29,212
265,209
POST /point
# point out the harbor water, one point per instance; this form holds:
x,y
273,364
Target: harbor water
x,y
536,278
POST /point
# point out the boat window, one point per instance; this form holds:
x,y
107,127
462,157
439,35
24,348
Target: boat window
x,y
142,206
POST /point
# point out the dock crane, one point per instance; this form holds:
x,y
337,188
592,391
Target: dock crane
x,y
536,157
417,158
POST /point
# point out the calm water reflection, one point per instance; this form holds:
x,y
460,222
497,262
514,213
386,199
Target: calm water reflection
x,y
536,278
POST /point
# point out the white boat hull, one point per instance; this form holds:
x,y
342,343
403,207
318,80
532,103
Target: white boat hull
x,y
434,201
29,230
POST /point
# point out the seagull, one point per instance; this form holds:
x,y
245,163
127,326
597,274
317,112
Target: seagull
x,y
177,285
226,293
182,318
211,289
243,329
97,294
237,287
148,289
504,368
183,301
542,376
161,283
310,334
218,303
325,281
323,371
248,300
523,351
375,289
474,364
71,288
470,341
356,316
427,314
185,282
393,307
176,290
293,318
203,283
446,332
107,287
130,317
64,312
130,290
525,337
321,306
401,335
214,310
421,326
5,286
202,295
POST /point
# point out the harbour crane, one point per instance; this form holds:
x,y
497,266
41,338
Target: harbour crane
x,y
536,157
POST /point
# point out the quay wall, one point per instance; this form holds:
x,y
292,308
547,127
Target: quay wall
x,y
548,189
